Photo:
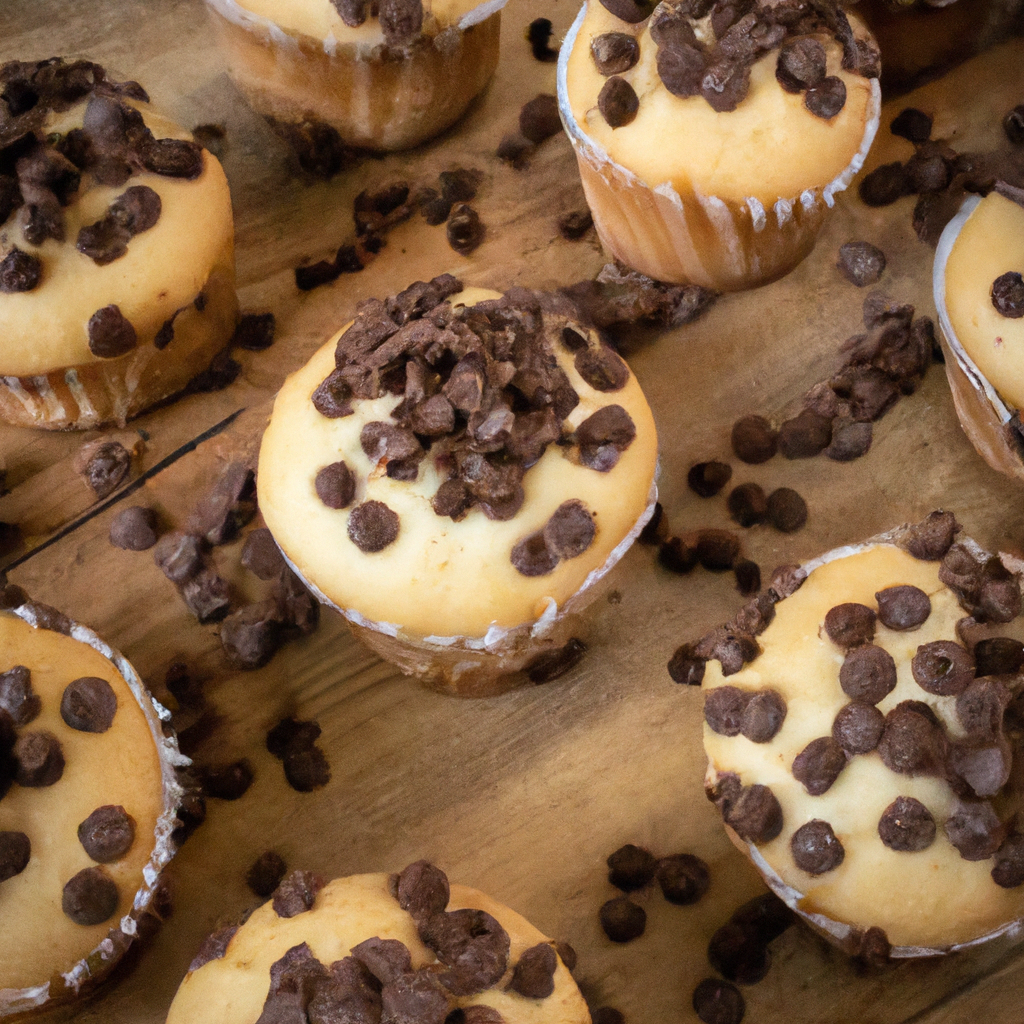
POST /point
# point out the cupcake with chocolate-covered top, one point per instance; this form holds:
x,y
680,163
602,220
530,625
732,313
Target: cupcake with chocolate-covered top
x,y
712,137
116,249
454,471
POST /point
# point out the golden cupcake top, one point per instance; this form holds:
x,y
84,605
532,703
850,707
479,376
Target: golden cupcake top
x,y
456,460
111,218
376,947
731,101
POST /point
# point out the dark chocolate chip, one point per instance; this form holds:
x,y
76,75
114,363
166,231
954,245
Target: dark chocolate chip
x,y
106,464
884,185
532,557
401,21
570,530
554,664
19,271
1008,294
265,873
372,526
858,727
907,825
307,770
708,478
90,897
683,878
16,696
993,656
227,781
630,867
766,916
861,263
763,716
755,815
39,759
753,440
739,954
290,736
136,210
88,704
787,511
912,742
982,766
15,850
815,848
618,102
804,436
179,555
574,225
718,1002
472,945
538,35
903,607
868,673
1009,867
107,834
723,709
335,486
385,959
717,550
818,765
261,555
850,440
173,158
748,505
725,84
538,119
981,706
251,635
632,11
850,625
332,396
622,919
315,274
465,229
1013,125
801,64
602,369
930,539
47,617
254,332
676,555
297,893
942,667
110,333
422,889
614,52
214,946
681,67
975,830
134,528
413,998
515,150
685,667
748,576
227,507
827,98
534,974
912,124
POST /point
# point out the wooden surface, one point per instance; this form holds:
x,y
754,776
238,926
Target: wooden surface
x,y
524,795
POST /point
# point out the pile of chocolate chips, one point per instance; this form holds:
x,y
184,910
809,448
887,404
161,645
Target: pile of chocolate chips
x,y
483,396
40,173
34,759
744,31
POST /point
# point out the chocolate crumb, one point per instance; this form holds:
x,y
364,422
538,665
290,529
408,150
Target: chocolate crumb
x,y
88,704
226,507
227,781
134,529
110,333
255,332
631,867
858,727
685,667
861,263
868,673
907,825
815,848
90,897
538,35
683,878
618,102
739,954
753,440
306,770
708,478
107,834
850,625
465,229
819,764
39,759
787,511
573,226
912,124
15,851
534,974
297,893
718,1002
538,118
551,665
622,919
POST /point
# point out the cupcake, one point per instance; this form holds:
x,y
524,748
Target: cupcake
x,y
382,76
87,807
711,145
377,947
453,471
117,281
979,295
864,747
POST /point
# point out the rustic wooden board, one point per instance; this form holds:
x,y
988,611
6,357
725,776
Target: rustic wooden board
x,y
523,795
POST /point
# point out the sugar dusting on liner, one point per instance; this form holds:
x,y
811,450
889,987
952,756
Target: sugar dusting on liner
x,y
108,951
839,930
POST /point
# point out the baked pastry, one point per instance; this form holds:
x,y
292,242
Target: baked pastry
x,y
382,76
453,471
865,747
408,944
117,278
710,145
89,795
979,295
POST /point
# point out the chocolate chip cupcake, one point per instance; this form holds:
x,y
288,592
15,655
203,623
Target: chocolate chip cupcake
x,y
88,796
117,280
454,471
379,76
372,948
712,137
979,294
863,731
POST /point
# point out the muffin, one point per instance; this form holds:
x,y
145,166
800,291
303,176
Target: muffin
x,y
117,280
710,145
979,295
382,76
453,471
408,945
89,794
865,747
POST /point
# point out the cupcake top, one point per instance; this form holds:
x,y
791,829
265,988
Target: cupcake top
x,y
984,290
733,100
408,946
87,801
111,218
868,750
457,460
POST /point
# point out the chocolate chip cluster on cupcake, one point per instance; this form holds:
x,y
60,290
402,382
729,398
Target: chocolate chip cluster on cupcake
x,y
116,249
88,796
373,948
979,294
383,75
713,135
863,729
453,471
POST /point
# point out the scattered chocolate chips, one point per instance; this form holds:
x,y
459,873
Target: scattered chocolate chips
x,y
622,919
850,625
739,954
819,764
614,52
39,759
931,539
16,696
861,263
228,506
681,68
903,607
551,665
755,814
942,667
227,781
90,897
907,825
676,555
748,576
787,510
297,893
422,889
290,736
515,150
762,716
618,102
251,635
868,673
753,440
718,1002
1008,295
850,440
912,742
815,848
88,704
884,185
254,332
631,867
708,478
110,333
980,708
912,124
15,850
134,529
748,505
601,368
538,35
534,973
19,271
858,727
104,464
107,834
265,874
538,118
385,959
683,878
372,526
975,830
465,229
472,945
800,65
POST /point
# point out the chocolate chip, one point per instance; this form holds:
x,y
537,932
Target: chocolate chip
x,y
718,1002
47,617
804,436
850,440
861,263
912,742
297,893
614,52
251,635
942,667
748,505
206,595
1013,125
533,975
868,673
982,766
884,185
907,825
753,440
685,667
227,781
261,555
827,98
15,850
472,945
818,765
554,664
16,696
538,118
748,576
622,919
335,486
422,889
574,225
903,607
762,716
465,230
656,528
401,21
1008,294
928,171
265,873
766,916
214,946
385,959
683,878
110,334
90,897
372,526
981,706
602,369
290,736
312,276
307,770
104,464
618,102
739,954
755,815
532,557
19,271
676,555
173,158
723,709
975,830
725,84
858,727
787,511
538,34
681,68
39,759
708,478
850,625
332,396
717,550
255,332
515,150
1009,868
632,11
179,555
815,848
107,834
88,704
993,656
227,507
134,529
912,124
630,867
930,539
801,64
570,530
